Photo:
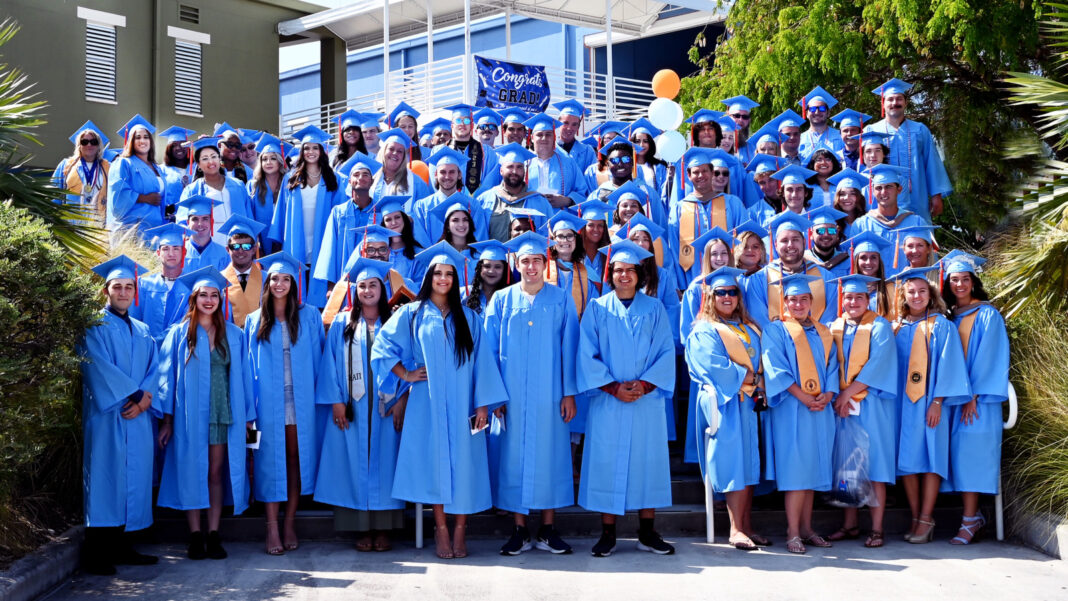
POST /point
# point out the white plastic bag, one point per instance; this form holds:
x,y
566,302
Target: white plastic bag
x,y
851,486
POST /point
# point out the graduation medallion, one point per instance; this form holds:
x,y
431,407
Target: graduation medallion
x,y
687,250
811,385
751,351
916,377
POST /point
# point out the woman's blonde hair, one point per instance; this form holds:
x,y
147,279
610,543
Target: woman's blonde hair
x,y
934,302
743,239
708,311
400,179
77,147
706,257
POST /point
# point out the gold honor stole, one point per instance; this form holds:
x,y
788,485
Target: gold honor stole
x,y
916,387
806,364
739,353
965,328
74,181
819,294
580,283
858,357
340,293
688,221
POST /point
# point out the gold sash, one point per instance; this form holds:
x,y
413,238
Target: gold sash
x,y
580,283
806,364
340,293
916,386
860,352
73,181
738,353
688,226
776,310
965,328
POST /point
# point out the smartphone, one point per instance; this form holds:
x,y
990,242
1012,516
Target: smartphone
x,y
252,439
472,420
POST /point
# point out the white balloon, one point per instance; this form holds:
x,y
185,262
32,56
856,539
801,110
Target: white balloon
x,y
670,146
665,114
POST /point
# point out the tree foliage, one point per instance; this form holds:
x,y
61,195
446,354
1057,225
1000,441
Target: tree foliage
x,y
954,51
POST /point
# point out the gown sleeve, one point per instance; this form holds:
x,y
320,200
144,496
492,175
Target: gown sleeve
x,y
879,374
709,364
951,372
109,386
591,368
778,372
988,360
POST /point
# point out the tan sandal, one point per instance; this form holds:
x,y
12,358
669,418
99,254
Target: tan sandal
x,y
794,545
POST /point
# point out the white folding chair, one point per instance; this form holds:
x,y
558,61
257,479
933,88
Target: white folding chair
x,y
710,526
999,505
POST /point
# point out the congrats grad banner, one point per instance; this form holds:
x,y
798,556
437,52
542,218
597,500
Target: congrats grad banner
x,y
502,84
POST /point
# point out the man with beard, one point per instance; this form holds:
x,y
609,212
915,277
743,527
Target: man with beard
x,y
826,236
817,106
511,192
481,160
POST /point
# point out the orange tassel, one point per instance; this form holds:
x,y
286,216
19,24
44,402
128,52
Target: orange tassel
x,y
897,249
839,301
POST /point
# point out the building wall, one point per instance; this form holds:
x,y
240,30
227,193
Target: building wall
x,y
239,67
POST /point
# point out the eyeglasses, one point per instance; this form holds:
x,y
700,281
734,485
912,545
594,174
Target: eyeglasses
x,y
741,116
819,108
241,245
371,251
90,142
827,231
721,292
624,160
250,147
462,121
719,173
564,237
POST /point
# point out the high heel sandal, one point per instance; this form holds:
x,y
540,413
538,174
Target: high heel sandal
x,y
967,524
278,549
920,539
439,532
908,534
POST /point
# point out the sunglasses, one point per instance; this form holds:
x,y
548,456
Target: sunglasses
x,y
740,116
718,173
462,121
619,160
241,245
233,145
721,292
826,231
819,108
90,142
492,128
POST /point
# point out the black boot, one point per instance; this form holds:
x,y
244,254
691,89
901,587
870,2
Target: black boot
x,y
196,546
125,554
97,552
215,549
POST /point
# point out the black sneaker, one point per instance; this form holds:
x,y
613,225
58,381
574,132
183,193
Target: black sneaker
x,y
605,545
519,542
196,551
651,541
129,557
214,546
549,540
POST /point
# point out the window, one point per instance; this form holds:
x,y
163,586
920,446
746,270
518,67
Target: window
x,y
100,69
187,77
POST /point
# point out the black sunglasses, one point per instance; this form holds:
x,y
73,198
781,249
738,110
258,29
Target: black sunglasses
x,y
241,245
740,116
725,292
819,108
90,142
233,145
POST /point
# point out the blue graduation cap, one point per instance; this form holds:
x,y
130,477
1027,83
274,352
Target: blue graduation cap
x,y
617,127
460,110
752,226
765,163
825,214
513,115
375,233
370,120
855,283
630,189
205,277
349,118
866,242
788,118
641,223
239,224
491,250
168,234
850,118
794,174
445,155
397,136
958,261
528,243
176,134
292,152
720,158
884,173
593,210
251,135
488,116
624,252
223,128
111,154
847,178
696,156
867,138
403,109
513,153
89,125
818,93
515,213
768,133
391,204
788,220
643,126
571,107
798,283
359,160
541,122
563,220
726,124
615,143
202,143
739,103
912,273
281,262
134,123
361,268
704,116
443,210
435,126
198,204
724,277
440,253
892,86
311,134
923,232
716,233
121,267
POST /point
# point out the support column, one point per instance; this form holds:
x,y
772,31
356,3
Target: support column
x,y
508,34
610,88
385,55
467,53
333,79
428,73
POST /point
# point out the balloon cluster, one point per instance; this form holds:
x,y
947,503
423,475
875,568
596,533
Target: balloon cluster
x,y
666,115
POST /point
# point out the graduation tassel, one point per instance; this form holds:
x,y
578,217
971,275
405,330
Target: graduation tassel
x,y
941,275
772,238
300,288
465,271
607,265
227,307
348,296
882,106
897,249
840,301
804,105
137,291
852,263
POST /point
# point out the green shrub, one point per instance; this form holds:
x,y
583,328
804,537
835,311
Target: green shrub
x,y
45,307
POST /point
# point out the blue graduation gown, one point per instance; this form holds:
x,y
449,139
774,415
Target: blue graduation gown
x,y
173,178
583,154
732,457
213,255
287,229
975,449
341,235
736,215
129,177
357,465
160,307
565,276
417,188
878,411
184,392
268,386
534,345
488,201
831,140
756,293
922,449
656,212
867,223
625,463
912,146
837,270
564,177
439,461
803,439
262,206
117,458
235,190
427,228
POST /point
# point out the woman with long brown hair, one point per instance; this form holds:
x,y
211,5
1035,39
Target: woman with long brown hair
x,y
265,187
205,394
136,185
285,344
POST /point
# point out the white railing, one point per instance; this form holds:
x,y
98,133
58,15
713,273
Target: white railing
x,y
431,86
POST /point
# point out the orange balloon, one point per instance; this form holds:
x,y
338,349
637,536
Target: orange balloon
x,y
419,168
666,84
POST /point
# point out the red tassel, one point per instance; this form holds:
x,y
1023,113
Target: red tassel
x,y
839,301
300,287
897,249
804,106
941,277
137,289
227,307
882,106
348,296
607,266
211,222
852,263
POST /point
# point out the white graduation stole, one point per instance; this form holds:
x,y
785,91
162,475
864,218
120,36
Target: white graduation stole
x,y
354,369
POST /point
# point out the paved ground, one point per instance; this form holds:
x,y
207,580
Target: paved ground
x,y
328,571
